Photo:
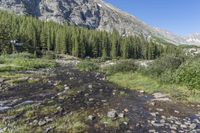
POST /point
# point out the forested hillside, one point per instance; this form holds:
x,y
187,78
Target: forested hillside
x,y
39,36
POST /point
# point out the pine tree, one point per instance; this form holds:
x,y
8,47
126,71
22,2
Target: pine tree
x,y
58,43
32,38
44,39
49,43
104,46
82,45
75,45
5,38
63,42
124,48
113,47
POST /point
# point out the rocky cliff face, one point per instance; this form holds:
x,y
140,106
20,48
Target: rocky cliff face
x,y
95,14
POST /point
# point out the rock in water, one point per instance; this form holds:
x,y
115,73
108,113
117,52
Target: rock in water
x,y
121,115
90,86
2,80
91,117
112,113
42,123
160,97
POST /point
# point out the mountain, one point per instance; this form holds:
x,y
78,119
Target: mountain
x,y
94,14
170,37
193,39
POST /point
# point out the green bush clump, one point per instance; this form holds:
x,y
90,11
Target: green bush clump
x,y
164,64
189,74
167,77
87,66
121,66
2,61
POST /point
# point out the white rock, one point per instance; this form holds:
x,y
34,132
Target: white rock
x,y
160,110
90,86
112,113
193,126
121,115
176,111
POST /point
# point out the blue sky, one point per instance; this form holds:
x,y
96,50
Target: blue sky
x,y
178,16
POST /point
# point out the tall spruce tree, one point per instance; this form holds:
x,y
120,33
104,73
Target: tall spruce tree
x,y
75,44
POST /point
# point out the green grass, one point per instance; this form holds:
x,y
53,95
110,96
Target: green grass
x,y
113,123
87,66
9,75
72,123
137,81
23,61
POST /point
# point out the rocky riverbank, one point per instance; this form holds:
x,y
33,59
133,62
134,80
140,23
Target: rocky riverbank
x,y
67,100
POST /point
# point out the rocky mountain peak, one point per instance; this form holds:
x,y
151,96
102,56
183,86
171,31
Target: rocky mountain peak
x,y
193,39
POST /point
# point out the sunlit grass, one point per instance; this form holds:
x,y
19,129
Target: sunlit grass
x,y
23,61
137,81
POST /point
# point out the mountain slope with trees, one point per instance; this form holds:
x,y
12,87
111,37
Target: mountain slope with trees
x,y
39,36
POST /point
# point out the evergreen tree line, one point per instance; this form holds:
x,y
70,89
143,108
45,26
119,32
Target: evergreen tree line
x,y
38,35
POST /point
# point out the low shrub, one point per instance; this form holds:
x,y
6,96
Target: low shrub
x,y
164,64
2,61
49,55
121,66
167,77
189,74
87,66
